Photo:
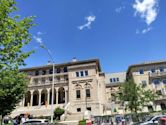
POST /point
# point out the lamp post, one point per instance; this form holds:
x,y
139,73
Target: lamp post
x,y
53,67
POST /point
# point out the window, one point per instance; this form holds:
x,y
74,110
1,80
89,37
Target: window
x,y
37,73
88,93
50,79
78,109
111,80
164,81
156,81
78,94
89,108
77,74
43,80
158,92
36,80
141,71
65,69
82,73
153,70
144,84
161,69
114,79
86,73
58,78
58,70
43,72
117,79
50,71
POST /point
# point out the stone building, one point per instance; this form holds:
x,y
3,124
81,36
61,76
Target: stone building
x,y
79,85
113,81
151,75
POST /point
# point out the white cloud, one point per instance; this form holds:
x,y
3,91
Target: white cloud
x,y
39,33
147,9
89,20
119,9
146,30
38,39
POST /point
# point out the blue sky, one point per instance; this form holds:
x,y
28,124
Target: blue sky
x,y
118,32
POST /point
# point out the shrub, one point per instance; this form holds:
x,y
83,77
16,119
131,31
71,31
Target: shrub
x,y
58,112
82,122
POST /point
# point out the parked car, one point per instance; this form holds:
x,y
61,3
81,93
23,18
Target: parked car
x,y
153,120
36,122
162,121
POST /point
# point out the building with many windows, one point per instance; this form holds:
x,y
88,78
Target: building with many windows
x,y
79,85
151,75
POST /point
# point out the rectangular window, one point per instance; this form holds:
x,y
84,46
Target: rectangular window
x,y
82,73
161,69
141,71
111,80
77,74
78,94
117,79
114,79
153,70
89,108
88,93
78,109
86,73
50,79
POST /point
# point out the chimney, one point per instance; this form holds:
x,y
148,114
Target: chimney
x,y
74,59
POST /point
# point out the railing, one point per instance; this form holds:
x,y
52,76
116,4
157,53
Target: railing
x,y
48,82
157,74
160,97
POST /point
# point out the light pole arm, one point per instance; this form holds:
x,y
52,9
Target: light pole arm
x,y
53,67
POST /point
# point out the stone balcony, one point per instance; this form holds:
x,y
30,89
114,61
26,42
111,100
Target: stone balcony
x,y
161,97
158,74
47,83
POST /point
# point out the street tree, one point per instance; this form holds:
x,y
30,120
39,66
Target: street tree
x,y
14,35
134,97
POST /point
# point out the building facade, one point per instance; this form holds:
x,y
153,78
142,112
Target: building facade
x,y
79,85
151,75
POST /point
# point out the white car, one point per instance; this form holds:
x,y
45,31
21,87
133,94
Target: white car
x,y
36,122
152,120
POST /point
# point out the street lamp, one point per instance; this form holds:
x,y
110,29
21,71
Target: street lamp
x,y
52,60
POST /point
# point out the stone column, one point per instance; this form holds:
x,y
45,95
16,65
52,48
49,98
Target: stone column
x,y
23,101
56,96
66,96
39,98
31,103
48,96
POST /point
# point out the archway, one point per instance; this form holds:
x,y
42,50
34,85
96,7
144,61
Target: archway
x,y
61,95
43,97
163,106
27,98
51,96
35,98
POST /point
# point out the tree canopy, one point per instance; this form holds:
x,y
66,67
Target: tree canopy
x,y
134,97
14,35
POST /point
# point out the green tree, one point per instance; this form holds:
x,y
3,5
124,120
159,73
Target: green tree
x,y
58,112
14,35
134,97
